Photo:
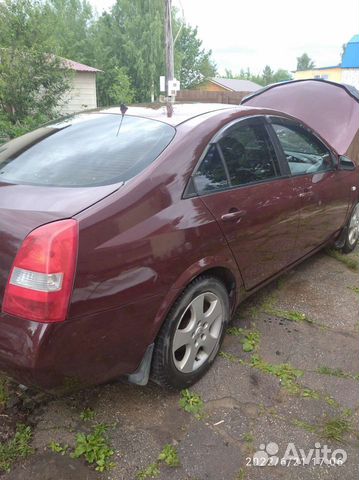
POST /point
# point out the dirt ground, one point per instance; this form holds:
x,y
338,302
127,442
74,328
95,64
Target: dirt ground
x,y
309,319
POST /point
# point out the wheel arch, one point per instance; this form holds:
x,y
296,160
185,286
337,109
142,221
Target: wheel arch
x,y
224,268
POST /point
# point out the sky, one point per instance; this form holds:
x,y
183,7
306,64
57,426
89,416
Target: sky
x,y
254,33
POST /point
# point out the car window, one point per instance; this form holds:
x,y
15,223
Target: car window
x,y
84,150
211,174
304,153
248,154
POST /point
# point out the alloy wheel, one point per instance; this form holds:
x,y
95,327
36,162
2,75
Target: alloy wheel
x,y
198,332
353,233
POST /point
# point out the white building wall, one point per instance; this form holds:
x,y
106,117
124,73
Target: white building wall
x,y
82,96
351,76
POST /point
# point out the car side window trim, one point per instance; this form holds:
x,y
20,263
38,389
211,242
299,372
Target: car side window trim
x,y
191,190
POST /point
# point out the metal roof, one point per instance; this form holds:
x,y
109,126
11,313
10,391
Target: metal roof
x,y
351,54
79,67
236,85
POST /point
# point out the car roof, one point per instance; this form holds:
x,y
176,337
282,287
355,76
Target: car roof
x,y
182,112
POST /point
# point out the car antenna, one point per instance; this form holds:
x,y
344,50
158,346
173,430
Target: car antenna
x,y
123,109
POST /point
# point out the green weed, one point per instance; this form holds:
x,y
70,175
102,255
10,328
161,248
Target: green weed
x,y
336,372
350,262
191,403
332,429
152,471
95,448
248,437
87,414
335,429
241,474
284,371
4,394
249,338
355,289
304,425
228,356
18,447
58,448
169,456
290,315
288,376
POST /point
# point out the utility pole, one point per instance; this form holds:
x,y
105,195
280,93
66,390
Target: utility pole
x,y
169,52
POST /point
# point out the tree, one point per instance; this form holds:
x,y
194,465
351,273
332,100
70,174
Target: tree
x,y
115,87
304,62
282,76
193,63
267,75
32,83
133,35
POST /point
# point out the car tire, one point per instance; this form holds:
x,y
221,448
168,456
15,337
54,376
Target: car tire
x,y
352,236
191,335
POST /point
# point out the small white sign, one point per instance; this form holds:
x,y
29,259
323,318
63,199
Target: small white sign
x,y
162,83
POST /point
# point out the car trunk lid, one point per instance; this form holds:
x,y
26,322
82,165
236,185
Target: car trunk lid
x,y
25,207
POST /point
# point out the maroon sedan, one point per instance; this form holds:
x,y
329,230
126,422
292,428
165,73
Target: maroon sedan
x,y
128,240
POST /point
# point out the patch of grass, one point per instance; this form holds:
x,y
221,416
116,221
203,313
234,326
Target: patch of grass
x,y
228,356
18,447
329,400
249,338
332,429
335,429
290,315
336,372
284,371
4,394
350,262
191,403
58,448
241,475
152,471
304,425
87,414
355,289
169,456
288,376
248,437
95,448
235,331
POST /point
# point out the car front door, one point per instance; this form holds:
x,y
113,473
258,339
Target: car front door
x,y
324,190
241,182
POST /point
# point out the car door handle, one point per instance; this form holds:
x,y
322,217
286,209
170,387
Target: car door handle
x,y
232,215
306,193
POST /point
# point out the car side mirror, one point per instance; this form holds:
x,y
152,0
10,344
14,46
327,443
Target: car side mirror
x,y
346,164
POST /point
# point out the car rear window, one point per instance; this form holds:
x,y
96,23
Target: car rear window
x,y
84,150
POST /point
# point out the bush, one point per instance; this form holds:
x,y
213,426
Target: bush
x,y
9,130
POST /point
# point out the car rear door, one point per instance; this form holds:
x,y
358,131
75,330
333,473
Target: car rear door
x,y
241,182
324,191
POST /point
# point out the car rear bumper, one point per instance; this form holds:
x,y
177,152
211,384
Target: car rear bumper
x,y
78,352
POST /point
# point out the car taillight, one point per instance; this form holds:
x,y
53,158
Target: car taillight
x,y
41,279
